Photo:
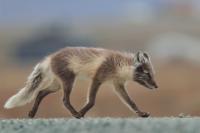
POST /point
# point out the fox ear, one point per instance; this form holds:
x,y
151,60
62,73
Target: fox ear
x,y
142,57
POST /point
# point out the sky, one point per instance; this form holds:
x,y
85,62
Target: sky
x,y
39,10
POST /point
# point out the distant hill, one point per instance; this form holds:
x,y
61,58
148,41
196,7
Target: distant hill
x,y
46,41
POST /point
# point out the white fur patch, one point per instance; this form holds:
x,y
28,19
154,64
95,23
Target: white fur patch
x,y
126,72
88,68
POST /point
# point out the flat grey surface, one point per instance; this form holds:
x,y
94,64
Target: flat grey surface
x,y
102,125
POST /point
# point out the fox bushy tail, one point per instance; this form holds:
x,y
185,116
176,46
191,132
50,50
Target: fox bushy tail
x,y
29,92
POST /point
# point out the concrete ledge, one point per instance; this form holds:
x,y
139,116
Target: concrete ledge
x,y
102,125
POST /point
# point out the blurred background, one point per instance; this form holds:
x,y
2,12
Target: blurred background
x,y
168,29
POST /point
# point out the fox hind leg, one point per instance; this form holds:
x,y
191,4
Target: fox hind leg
x,y
67,78
68,81
38,100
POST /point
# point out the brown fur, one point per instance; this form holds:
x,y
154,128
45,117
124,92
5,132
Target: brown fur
x,y
108,67
60,70
107,70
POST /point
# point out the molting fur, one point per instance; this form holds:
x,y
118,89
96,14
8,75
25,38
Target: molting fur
x,y
59,71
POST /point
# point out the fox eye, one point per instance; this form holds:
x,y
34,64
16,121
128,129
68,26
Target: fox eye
x,y
146,72
140,69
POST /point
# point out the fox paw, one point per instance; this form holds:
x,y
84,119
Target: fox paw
x,y
143,114
78,116
31,114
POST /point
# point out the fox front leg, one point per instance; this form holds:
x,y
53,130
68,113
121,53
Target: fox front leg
x,y
91,97
122,93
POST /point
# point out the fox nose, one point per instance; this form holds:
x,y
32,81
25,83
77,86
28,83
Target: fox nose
x,y
155,85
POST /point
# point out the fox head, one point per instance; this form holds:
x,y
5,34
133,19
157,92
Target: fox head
x,y
144,72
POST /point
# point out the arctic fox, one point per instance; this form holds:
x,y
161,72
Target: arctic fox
x,y
59,71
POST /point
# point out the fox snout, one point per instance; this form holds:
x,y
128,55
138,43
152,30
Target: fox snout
x,y
154,84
